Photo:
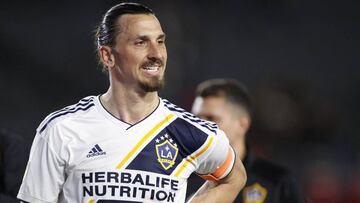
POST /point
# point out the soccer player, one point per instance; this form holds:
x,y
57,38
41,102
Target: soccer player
x,y
128,144
227,102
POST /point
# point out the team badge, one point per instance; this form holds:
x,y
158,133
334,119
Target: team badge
x,y
254,194
166,151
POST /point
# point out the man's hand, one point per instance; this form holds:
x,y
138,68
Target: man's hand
x,y
224,190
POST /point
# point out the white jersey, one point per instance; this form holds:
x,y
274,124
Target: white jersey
x,y
82,154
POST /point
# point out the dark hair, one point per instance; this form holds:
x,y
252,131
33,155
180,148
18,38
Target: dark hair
x,y
232,90
106,31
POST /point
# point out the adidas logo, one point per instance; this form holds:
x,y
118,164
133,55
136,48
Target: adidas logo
x,y
95,151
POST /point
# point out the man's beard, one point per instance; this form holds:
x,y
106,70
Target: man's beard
x,y
153,85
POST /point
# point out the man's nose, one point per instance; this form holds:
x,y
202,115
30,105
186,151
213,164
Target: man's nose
x,y
155,51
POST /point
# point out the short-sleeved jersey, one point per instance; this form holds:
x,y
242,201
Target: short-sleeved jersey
x,y
84,154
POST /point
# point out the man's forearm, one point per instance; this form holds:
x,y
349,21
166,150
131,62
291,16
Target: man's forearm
x,y
223,191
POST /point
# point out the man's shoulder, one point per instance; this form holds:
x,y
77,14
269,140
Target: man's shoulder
x,y
68,112
189,118
269,170
278,180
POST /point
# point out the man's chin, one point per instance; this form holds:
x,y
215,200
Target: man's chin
x,y
152,86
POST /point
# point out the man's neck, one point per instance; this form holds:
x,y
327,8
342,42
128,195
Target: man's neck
x,y
129,106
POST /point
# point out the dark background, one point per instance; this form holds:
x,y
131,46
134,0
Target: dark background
x,y
299,59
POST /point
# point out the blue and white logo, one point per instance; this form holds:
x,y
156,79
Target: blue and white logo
x,y
166,151
95,151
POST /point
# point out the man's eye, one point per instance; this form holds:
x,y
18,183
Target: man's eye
x,y
161,41
139,42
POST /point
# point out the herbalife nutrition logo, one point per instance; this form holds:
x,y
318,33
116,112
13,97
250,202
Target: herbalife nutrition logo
x,y
96,151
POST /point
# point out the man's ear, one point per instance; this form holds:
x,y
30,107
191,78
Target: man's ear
x,y
107,56
245,122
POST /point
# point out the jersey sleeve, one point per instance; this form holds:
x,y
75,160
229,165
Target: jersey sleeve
x,y
44,173
218,160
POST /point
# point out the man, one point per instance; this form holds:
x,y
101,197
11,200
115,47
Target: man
x,y
227,103
129,145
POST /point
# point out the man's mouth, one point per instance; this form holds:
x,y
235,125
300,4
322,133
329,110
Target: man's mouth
x,y
151,68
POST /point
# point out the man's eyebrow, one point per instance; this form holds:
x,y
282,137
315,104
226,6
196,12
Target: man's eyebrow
x,y
144,37
162,36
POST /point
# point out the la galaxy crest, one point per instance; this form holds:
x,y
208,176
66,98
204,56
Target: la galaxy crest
x,y
254,194
166,151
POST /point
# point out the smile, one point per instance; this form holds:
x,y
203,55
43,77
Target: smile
x,y
151,68
151,71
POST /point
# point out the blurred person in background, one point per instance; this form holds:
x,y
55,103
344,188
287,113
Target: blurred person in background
x,y
228,103
13,157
